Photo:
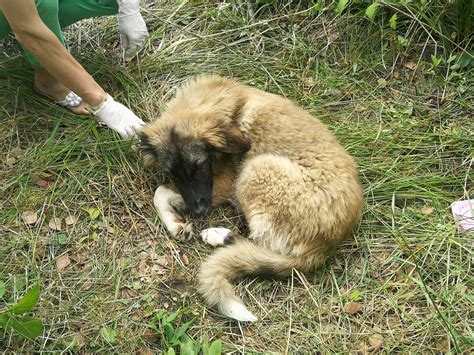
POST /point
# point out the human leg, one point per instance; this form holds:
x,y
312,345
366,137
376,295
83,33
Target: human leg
x,y
5,28
45,83
72,11
48,11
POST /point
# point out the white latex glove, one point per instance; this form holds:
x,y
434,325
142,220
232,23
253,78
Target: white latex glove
x,y
117,117
132,27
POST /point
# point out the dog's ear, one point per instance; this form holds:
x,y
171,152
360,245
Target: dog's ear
x,y
230,140
146,148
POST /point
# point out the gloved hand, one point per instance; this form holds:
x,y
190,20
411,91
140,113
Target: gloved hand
x,y
117,117
132,27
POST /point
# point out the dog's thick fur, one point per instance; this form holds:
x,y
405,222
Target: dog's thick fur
x,y
297,187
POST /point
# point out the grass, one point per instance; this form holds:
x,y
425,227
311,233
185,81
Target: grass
x,y
408,124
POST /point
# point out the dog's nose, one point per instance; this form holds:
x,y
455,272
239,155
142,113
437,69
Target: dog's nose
x,y
201,206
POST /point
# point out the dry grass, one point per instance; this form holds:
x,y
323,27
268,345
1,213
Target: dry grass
x,y
411,134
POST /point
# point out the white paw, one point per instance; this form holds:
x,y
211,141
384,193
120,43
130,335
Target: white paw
x,y
238,311
216,237
172,220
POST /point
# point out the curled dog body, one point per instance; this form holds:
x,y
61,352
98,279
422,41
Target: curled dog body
x,y
297,187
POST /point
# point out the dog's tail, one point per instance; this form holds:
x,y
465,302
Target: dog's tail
x,y
233,261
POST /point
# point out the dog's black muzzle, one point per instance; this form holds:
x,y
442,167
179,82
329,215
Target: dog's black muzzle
x,y
198,199
200,206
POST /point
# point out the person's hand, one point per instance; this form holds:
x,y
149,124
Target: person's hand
x,y
117,117
132,27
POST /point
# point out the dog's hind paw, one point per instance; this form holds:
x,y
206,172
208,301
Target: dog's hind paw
x,y
170,205
216,237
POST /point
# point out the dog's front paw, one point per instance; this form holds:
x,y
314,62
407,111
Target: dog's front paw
x,y
170,206
184,231
216,237
176,202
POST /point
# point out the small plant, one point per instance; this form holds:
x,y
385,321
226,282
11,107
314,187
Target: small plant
x,y
175,339
13,319
446,26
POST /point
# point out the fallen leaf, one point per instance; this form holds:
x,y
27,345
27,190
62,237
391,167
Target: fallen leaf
x,y
353,307
70,220
79,258
29,217
376,341
42,183
44,180
62,262
184,259
128,293
426,210
396,75
55,224
149,336
410,65
145,351
86,286
443,345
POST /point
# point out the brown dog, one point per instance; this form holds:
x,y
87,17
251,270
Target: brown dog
x,y
298,188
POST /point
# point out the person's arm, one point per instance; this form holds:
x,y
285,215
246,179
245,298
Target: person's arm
x,y
34,35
